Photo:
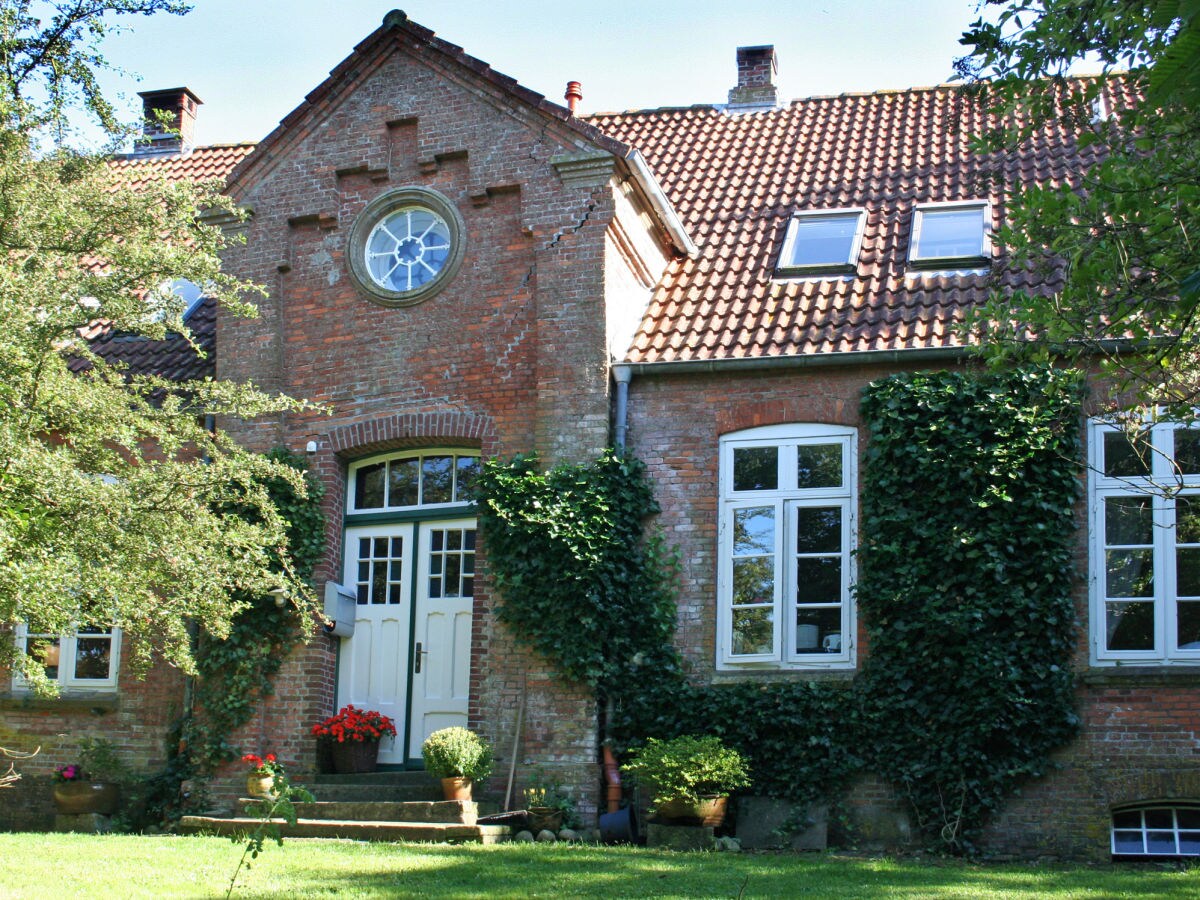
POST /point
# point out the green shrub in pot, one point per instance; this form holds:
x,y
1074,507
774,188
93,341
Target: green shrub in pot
x,y
457,753
688,768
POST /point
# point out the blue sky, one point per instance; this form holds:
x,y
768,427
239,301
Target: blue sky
x,y
252,61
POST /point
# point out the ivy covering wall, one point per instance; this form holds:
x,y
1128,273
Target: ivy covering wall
x,y
964,590
965,575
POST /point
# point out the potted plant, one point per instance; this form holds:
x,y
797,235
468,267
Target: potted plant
x,y
260,780
546,806
354,735
459,757
689,778
92,785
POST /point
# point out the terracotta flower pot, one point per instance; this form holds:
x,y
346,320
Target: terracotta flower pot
x,y
355,757
707,811
456,788
260,786
77,798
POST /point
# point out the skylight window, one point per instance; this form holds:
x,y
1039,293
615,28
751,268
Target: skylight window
x,y
824,242
950,236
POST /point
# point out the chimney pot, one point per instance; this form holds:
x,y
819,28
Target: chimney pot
x,y
756,71
180,106
573,95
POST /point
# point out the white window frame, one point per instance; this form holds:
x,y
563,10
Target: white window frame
x,y
415,452
1161,486
1176,831
918,260
787,499
846,266
67,651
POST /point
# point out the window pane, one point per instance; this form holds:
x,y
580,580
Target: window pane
x,y
1160,842
950,233
1130,626
402,482
754,530
1130,819
1160,818
1187,571
93,656
368,487
753,580
1128,520
755,468
1127,842
1129,573
819,529
1189,843
437,479
819,465
1188,818
753,631
467,468
1187,451
818,630
47,652
1123,459
1188,625
1187,520
823,240
819,579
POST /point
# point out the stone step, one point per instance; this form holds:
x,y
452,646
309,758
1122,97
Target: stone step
x,y
451,812
411,832
426,791
395,777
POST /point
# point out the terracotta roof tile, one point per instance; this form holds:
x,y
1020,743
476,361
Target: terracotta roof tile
x,y
173,357
735,181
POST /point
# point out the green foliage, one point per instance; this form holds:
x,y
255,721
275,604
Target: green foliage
x,y
577,577
800,739
117,505
1119,241
964,585
281,804
687,768
457,753
235,671
99,761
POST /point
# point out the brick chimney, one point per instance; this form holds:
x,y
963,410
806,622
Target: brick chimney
x,y
756,68
180,105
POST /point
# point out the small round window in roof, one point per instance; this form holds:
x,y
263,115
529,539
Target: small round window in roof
x,y
406,246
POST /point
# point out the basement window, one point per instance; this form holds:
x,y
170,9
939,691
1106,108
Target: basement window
x,y
822,243
950,236
1156,831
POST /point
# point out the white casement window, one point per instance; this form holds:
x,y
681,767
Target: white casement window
x,y
1145,545
951,235
88,659
821,243
785,547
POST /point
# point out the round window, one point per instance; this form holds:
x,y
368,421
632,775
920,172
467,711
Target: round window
x,y
405,246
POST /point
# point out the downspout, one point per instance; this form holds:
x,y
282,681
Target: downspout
x,y
623,374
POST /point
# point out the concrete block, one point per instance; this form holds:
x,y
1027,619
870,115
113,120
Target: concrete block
x,y
680,837
764,823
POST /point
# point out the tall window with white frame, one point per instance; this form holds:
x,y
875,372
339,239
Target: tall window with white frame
x,y
786,539
1145,545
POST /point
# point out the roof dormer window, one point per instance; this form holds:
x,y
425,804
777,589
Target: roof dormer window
x,y
950,236
821,243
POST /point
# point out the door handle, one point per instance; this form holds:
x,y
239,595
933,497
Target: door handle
x,y
417,658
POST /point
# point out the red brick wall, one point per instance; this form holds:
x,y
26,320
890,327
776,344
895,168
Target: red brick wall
x,y
1140,732
510,357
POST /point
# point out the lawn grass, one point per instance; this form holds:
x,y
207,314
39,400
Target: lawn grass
x,y
57,865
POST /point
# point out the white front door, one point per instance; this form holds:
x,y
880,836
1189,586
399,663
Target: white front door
x,y
442,652
410,654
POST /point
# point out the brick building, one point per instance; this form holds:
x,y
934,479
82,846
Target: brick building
x,y
459,269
